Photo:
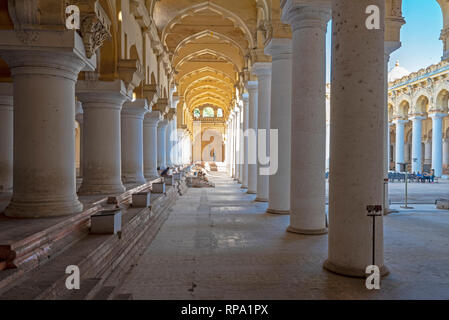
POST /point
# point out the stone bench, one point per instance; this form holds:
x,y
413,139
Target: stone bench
x,y
106,222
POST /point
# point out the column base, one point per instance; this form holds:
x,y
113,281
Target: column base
x,y
351,272
251,192
100,189
261,199
306,231
43,209
279,212
133,180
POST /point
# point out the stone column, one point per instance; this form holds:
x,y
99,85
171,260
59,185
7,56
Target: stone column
x,y
161,141
79,119
399,142
263,72
251,136
308,120
446,152
150,123
168,143
428,151
280,119
437,143
416,144
241,145
237,144
245,141
357,138
388,146
132,116
44,130
102,148
232,173
230,143
6,136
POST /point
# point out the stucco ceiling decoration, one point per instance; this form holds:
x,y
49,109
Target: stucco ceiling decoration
x,y
209,44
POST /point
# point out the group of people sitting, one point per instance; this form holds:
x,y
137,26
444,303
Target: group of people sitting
x,y
425,176
413,177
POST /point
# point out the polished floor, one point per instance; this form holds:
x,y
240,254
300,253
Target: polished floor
x,y
220,244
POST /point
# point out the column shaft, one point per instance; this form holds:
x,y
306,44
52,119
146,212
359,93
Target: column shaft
x,y
6,136
251,136
132,141
245,140
308,120
399,143
280,119
161,143
102,148
416,144
357,135
263,72
150,144
437,143
44,134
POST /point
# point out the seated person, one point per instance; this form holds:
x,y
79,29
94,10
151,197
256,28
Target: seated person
x,y
165,172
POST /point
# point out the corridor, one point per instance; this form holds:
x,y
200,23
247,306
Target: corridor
x,y
219,244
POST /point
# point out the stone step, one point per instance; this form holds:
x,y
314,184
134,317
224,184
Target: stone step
x,y
88,289
24,246
97,256
105,293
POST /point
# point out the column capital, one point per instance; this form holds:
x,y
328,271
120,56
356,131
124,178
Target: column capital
x,y
161,105
101,94
307,14
135,109
162,124
400,121
252,85
152,118
279,49
437,115
261,69
417,117
245,98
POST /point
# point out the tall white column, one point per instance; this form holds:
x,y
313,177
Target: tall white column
x,y
428,151
233,144
251,136
132,116
308,147
263,72
237,144
437,143
102,148
79,119
245,140
241,145
388,147
6,136
280,119
357,135
44,129
446,152
161,141
150,123
399,142
416,144
168,143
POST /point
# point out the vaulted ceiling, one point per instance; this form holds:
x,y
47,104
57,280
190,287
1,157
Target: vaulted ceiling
x,y
210,44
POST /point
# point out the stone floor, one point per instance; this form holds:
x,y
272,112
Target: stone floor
x,y
220,244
